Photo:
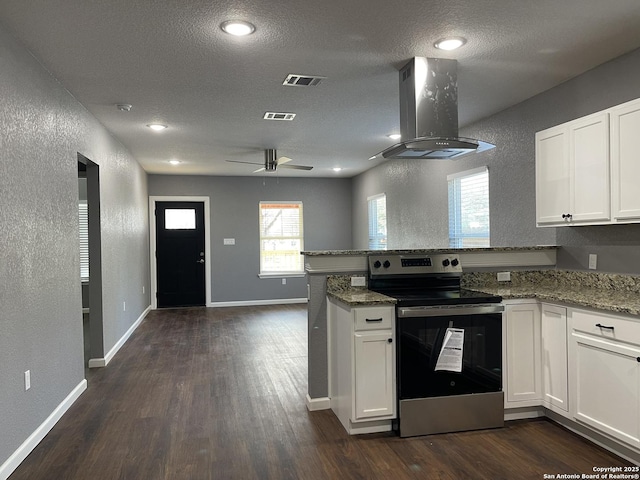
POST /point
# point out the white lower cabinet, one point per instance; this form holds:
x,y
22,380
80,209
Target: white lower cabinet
x,y
374,376
362,380
605,373
555,389
522,372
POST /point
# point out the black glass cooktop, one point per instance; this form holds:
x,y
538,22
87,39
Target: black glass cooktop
x,y
440,297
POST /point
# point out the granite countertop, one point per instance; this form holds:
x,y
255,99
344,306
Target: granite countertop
x,y
339,287
602,291
427,251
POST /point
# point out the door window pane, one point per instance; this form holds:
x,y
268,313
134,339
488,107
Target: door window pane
x,y
180,219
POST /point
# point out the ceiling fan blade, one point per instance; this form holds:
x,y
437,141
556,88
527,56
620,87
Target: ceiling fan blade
x,y
282,160
240,161
259,170
297,167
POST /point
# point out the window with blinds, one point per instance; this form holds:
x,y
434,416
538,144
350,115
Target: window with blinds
x,y
469,208
83,216
281,238
377,222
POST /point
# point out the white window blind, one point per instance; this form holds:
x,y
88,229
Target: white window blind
x,y
469,208
281,238
83,215
377,222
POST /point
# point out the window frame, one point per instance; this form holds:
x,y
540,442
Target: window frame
x,y
374,238
456,229
83,238
263,273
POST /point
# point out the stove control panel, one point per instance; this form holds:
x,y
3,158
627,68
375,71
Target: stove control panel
x,y
396,264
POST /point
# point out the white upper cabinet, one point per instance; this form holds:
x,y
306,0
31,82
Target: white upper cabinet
x,y
625,161
572,172
552,175
589,161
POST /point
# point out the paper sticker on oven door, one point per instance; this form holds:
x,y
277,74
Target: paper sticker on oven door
x,y
450,358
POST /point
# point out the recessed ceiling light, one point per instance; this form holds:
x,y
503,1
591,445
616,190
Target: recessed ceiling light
x,y
394,136
156,126
450,43
337,169
175,162
239,28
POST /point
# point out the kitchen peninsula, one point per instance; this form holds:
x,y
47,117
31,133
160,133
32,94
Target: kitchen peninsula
x,y
564,334
320,264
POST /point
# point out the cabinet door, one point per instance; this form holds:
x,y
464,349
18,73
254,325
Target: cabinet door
x,y
607,384
552,175
554,358
625,161
374,375
589,169
523,382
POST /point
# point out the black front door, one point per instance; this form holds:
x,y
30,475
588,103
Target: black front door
x,y
180,254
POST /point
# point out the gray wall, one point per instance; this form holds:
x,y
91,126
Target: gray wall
x,y
42,129
234,214
416,190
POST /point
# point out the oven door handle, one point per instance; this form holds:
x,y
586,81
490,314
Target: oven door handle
x,y
447,311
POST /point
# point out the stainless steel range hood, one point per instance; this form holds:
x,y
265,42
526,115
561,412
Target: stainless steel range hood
x,y
429,113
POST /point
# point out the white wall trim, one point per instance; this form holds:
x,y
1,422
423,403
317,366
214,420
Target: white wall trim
x,y
152,241
103,362
36,437
521,257
321,403
248,303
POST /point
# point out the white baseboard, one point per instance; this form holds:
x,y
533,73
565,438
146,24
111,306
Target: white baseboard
x,y
321,403
36,437
103,362
248,303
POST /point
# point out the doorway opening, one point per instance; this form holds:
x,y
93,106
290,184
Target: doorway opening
x,y
180,251
91,261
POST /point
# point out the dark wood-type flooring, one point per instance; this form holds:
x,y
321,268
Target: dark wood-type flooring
x,y
209,393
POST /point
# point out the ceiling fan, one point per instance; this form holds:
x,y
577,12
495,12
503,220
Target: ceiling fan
x,y
272,162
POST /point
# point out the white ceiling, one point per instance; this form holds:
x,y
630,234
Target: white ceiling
x,y
173,63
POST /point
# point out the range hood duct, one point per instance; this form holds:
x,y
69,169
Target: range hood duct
x,y
429,113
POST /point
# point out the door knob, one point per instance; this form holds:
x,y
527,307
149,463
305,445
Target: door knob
x,y
200,261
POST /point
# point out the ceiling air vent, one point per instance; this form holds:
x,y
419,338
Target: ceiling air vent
x,y
279,116
294,80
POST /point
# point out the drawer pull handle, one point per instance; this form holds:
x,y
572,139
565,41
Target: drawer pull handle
x,y
599,325
373,319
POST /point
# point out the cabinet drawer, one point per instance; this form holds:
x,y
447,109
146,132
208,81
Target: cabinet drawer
x,y
373,318
622,329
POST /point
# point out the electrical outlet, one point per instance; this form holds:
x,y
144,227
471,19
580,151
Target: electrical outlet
x,y
229,241
284,281
27,380
593,261
504,276
358,281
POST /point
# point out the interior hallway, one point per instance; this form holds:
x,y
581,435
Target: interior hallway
x,y
208,393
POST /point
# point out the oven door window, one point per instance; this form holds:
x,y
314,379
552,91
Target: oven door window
x,y
420,344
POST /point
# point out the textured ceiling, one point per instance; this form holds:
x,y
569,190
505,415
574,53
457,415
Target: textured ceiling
x,y
171,61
